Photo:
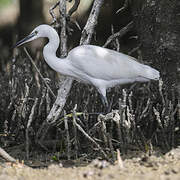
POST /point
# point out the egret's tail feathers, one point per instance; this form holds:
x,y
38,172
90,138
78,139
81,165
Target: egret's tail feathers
x,y
151,73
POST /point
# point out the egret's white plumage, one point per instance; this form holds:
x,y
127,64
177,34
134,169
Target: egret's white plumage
x,y
95,65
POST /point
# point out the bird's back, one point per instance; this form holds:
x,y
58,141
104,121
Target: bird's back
x,y
106,64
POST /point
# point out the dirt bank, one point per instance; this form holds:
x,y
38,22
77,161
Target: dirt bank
x,y
163,167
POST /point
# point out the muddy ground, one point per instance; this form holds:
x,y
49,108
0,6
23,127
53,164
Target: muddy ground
x,y
136,166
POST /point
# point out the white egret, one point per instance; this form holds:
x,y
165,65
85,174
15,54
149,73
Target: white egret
x,y
101,67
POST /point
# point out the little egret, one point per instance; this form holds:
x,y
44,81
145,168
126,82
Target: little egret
x,y
101,67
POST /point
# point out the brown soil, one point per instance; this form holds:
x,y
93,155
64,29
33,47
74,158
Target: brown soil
x,y
163,167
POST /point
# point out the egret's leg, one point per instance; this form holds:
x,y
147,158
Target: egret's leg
x,y
105,102
102,92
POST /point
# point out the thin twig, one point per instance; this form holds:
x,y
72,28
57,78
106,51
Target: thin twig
x,y
116,42
75,131
42,100
119,34
91,139
74,7
161,93
157,114
111,146
48,103
51,12
67,136
101,118
28,126
145,111
125,6
43,79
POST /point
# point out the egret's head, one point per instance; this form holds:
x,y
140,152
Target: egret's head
x,y
39,31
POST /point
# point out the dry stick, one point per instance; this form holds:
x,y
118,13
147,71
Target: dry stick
x,y
63,36
117,119
91,22
111,146
91,139
163,99
125,6
44,127
134,49
43,79
173,126
48,103
75,131
101,119
157,114
51,12
130,102
42,100
24,101
119,34
119,159
161,93
74,7
119,125
6,156
67,136
145,111
119,129
116,42
28,126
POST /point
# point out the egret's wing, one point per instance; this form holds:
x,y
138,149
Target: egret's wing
x,y
102,63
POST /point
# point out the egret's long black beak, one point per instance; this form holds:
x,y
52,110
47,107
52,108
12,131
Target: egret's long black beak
x,y
19,43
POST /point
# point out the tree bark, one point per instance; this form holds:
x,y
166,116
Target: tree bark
x,y
158,26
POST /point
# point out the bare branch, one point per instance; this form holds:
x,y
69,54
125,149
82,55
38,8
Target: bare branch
x,y
125,6
74,7
63,36
91,23
65,86
28,126
43,79
119,34
67,136
92,140
6,156
51,12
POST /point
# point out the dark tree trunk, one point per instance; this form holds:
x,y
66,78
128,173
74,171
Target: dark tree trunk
x,y
158,26
31,15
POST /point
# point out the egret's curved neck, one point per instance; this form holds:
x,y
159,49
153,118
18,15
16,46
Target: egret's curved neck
x,y
53,44
49,53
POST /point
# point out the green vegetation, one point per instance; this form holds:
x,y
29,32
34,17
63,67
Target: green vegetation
x,y
4,3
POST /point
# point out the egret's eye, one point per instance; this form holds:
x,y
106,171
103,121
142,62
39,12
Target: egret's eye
x,y
36,32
